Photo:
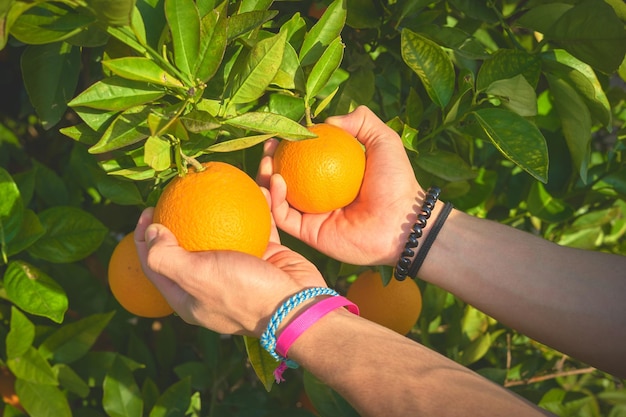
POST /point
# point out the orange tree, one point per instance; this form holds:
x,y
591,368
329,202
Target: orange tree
x,y
515,107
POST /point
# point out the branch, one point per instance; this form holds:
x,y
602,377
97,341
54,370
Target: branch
x,y
541,378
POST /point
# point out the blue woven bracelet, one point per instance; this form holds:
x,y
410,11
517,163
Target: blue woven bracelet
x,y
268,338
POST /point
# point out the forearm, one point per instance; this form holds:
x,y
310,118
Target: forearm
x,y
567,298
384,374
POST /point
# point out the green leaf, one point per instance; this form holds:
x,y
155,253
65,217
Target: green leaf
x,y
113,12
174,401
324,68
476,349
30,230
362,14
583,79
326,400
34,291
575,121
158,153
21,336
213,40
141,69
446,165
31,366
198,121
431,64
592,32
238,144
542,205
262,362
326,30
70,380
184,22
73,341
42,399
508,63
515,94
71,235
128,128
50,76
116,93
271,123
122,397
242,23
48,22
259,71
517,139
290,74
542,16
11,208
287,105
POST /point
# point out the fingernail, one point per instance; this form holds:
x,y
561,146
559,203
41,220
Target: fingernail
x,y
151,233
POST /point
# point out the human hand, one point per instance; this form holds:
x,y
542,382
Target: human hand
x,y
372,230
226,291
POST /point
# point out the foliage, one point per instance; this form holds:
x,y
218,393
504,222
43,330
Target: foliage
x,y
516,108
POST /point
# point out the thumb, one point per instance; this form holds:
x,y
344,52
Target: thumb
x,y
367,127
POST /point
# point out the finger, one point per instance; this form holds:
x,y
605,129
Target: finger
x,y
274,236
266,166
366,126
286,218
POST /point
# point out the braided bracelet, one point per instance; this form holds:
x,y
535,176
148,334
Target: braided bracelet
x,y
268,338
404,263
428,242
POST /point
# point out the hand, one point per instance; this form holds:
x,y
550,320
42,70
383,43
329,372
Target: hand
x,y
371,230
226,291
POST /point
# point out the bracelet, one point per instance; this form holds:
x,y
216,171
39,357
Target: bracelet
x,y
402,268
305,320
268,338
428,242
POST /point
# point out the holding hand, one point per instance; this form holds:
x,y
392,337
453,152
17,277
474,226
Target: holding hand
x,y
373,228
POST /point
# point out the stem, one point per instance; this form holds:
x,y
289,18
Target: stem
x,y
307,115
193,162
550,376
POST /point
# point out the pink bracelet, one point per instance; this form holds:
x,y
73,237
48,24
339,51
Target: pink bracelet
x,y
308,318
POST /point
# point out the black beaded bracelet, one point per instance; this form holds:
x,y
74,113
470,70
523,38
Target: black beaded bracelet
x,y
404,263
428,242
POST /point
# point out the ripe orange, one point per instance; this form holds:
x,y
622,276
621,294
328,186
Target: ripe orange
x,y
324,173
219,208
7,388
130,286
396,306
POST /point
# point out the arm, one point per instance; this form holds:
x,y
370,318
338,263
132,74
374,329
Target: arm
x,y
569,299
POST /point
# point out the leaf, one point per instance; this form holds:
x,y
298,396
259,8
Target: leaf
x,y
128,128
290,75
287,105
238,144
42,399
121,397
11,208
184,22
259,70
575,121
515,94
30,230
542,205
446,165
593,33
326,30
113,12
271,123
74,340
71,235
508,63
198,121
242,23
50,76
583,79
174,401
324,68
476,349
141,69
213,41
262,362
21,334
34,291
70,380
31,366
326,400
157,153
517,139
431,64
116,93
48,22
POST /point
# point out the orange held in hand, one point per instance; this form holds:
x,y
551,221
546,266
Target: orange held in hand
x,y
130,286
396,306
219,208
324,173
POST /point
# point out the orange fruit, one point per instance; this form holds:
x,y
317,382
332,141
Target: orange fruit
x,y
396,306
219,208
7,388
324,173
130,286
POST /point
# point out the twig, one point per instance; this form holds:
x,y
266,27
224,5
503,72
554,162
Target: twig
x,y
541,378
